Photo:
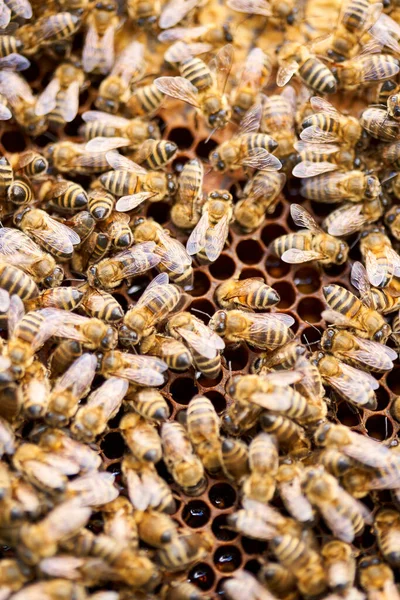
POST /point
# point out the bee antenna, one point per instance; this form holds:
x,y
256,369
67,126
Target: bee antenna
x,y
201,311
50,136
211,134
230,371
313,326
355,241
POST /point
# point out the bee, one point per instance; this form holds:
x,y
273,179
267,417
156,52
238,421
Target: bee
x,y
157,301
144,13
58,442
59,101
353,186
175,260
241,415
247,148
330,126
98,48
346,310
69,389
266,331
209,236
235,459
392,220
296,58
120,523
174,11
350,218
16,281
106,132
340,562
51,235
100,204
344,515
261,521
378,299
310,244
379,125
377,579
243,584
149,403
365,70
288,480
13,575
128,68
101,305
170,350
74,159
202,423
207,36
35,387
20,192
142,370
266,8
253,78
110,272
145,487
22,103
289,434
53,589
144,101
6,175
184,550
40,540
278,580
246,293
201,85
261,194
48,30
116,227
134,183
92,251
63,195
141,438
205,346
283,358
155,154
92,333
181,461
381,261
391,158
185,213
156,529
263,462
278,120
29,164
101,406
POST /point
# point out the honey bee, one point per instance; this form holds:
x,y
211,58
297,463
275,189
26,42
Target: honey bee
x,y
102,405
247,148
92,333
74,159
155,154
157,301
381,261
266,331
120,523
101,305
128,68
40,469
6,175
260,197
346,310
58,442
266,8
278,580
243,584
288,480
181,591
100,204
339,559
144,13
149,403
247,293
134,183
263,461
175,260
185,213
365,70
22,103
201,85
59,101
205,345
344,515
142,370
144,101
312,244
145,487
141,437
296,58
184,550
253,78
63,195
261,521
13,575
92,251
353,186
391,157
63,356
51,235
53,590
69,389
98,48
377,579
48,30
289,434
106,132
40,540
110,272
20,192
379,125
181,461
156,529
278,120
235,460
202,423
207,36
170,350
35,387
30,164
174,11
241,415
15,281
350,218
116,227
283,358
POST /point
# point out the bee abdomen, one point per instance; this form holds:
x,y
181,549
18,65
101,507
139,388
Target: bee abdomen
x,y
17,282
210,367
318,76
341,300
291,240
355,14
197,72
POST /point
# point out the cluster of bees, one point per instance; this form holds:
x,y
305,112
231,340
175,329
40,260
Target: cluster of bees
x,y
75,236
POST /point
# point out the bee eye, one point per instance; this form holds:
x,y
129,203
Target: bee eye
x,y
378,336
390,218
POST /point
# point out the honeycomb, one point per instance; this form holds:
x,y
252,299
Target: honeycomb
x,y
245,255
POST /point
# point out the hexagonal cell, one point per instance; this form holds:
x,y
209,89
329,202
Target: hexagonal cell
x,y
253,546
202,576
223,268
13,141
236,357
227,558
249,252
307,280
204,147
159,211
348,415
202,309
217,399
271,232
310,309
183,389
393,380
249,272
182,137
201,284
222,495
383,398
196,514
113,445
379,427
286,292
276,268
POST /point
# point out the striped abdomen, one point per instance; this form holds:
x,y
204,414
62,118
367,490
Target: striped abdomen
x,y
209,367
6,175
120,182
99,129
341,300
278,112
148,99
323,122
317,76
29,326
100,244
253,141
73,198
197,72
17,282
9,45
156,154
300,241
356,14
385,90
64,355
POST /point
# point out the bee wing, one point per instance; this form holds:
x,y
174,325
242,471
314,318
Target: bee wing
x,y
78,376
262,322
332,316
47,101
65,519
179,88
66,567
284,378
294,256
262,160
14,62
58,230
205,342
142,257
322,105
181,33
376,272
374,73
286,72
70,105
347,221
308,168
173,254
48,27
105,144
146,376
386,32
107,49
46,474
216,238
5,15
127,203
296,503
251,121
364,378
348,384
14,87
339,523
153,289
275,401
139,489
302,218
90,54
117,161
91,116
5,113
367,451
318,149
109,395
23,9
253,69
18,248
174,11
93,489
318,136
197,238
24,159
64,465
221,65
251,7
16,311
4,301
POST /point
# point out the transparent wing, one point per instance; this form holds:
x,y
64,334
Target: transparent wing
x,y
17,248
251,121
22,8
322,105
347,221
173,254
5,15
216,238
117,161
90,55
141,258
16,311
253,69
47,100
285,73
179,88
109,395
251,7
91,116
105,144
339,523
79,375
373,355
302,218
318,136
205,342
262,160
127,203
60,230
70,105
221,65
308,168
197,238
14,62
5,113
182,33
294,256
174,11
374,73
